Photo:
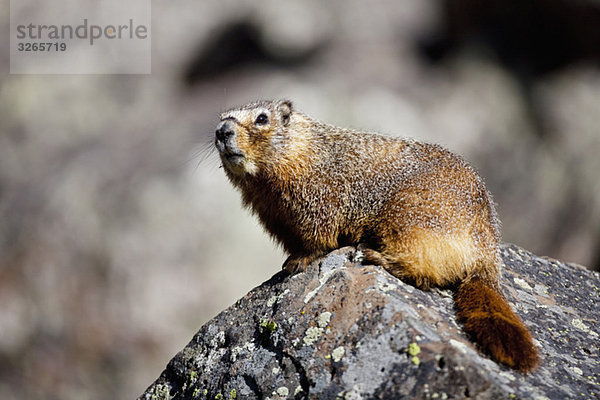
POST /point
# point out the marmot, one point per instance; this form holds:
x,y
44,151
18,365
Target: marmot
x,y
416,209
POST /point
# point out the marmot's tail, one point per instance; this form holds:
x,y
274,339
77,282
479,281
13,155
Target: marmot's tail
x,y
488,318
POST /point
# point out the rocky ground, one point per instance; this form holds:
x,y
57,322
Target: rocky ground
x,y
341,330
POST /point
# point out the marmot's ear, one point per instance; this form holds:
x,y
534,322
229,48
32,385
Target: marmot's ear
x,y
285,109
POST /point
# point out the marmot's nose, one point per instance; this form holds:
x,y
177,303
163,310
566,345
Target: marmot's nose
x,y
224,131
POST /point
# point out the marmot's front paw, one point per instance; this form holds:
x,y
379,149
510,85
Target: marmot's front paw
x,y
295,264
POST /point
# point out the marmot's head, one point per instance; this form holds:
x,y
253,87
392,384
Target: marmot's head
x,y
252,136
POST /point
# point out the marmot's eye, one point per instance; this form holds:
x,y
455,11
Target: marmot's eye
x,y
261,119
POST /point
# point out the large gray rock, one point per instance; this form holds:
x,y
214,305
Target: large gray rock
x,y
343,330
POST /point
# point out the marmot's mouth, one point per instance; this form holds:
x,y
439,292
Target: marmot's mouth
x,y
233,157
229,153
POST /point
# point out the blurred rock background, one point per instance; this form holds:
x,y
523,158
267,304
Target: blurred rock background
x,y
119,234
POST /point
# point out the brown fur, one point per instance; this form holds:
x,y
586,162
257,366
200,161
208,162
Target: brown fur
x,y
485,315
417,209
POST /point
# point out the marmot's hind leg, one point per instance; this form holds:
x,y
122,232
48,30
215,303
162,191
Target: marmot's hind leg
x,y
426,258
